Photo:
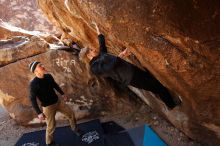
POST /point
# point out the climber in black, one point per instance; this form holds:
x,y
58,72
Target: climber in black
x,y
109,66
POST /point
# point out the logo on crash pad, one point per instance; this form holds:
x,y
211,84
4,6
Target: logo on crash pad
x,y
90,137
31,144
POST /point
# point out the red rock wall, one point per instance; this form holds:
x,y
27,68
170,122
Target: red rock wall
x,y
24,14
178,41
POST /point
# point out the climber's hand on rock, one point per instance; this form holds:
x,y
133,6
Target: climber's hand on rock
x,y
97,28
124,53
41,117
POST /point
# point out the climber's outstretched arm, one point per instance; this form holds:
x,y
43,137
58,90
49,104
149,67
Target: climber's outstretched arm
x,y
102,46
101,38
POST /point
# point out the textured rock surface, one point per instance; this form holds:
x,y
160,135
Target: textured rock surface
x,y
178,41
17,43
24,14
6,33
19,48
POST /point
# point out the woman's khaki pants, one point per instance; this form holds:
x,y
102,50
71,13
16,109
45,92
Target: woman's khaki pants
x,y
50,112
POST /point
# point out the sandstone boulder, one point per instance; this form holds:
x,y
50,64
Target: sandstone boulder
x,y
17,43
18,48
6,33
178,41
24,14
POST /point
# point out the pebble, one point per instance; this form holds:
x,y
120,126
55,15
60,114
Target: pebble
x,y
103,113
154,118
156,123
136,119
172,129
181,135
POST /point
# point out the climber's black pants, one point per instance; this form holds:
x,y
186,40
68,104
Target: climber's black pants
x,y
145,80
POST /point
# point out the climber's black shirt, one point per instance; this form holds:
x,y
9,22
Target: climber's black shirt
x,y
108,65
43,89
125,73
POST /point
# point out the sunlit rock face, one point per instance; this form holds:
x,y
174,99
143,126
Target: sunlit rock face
x,y
17,43
24,14
6,32
19,48
178,41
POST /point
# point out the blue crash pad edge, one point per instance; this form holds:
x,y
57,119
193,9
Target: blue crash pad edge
x,y
151,138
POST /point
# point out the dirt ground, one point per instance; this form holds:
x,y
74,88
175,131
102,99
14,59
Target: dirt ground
x,y
11,132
